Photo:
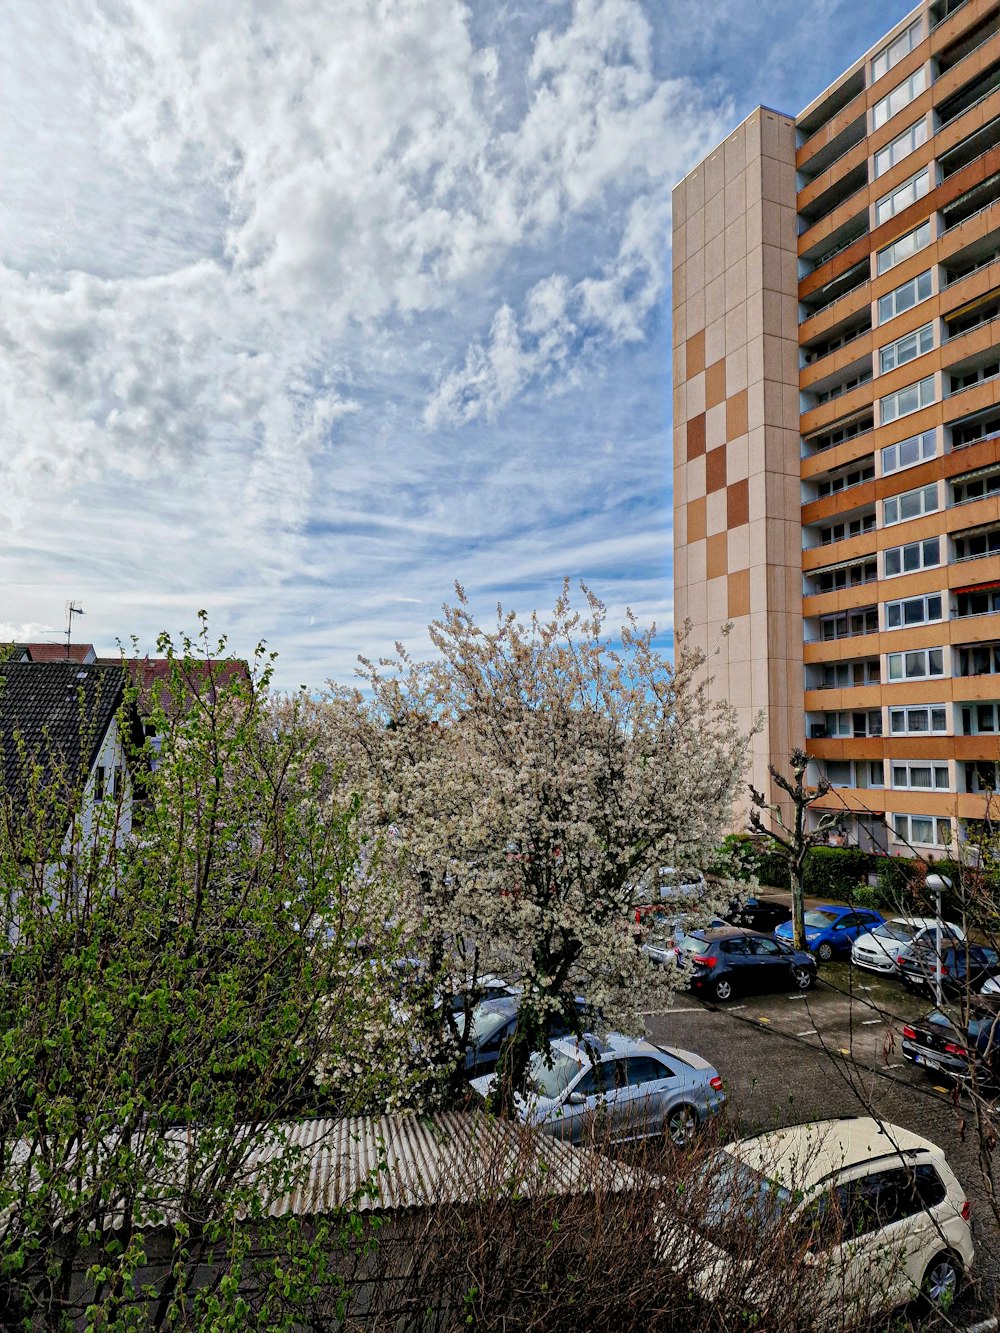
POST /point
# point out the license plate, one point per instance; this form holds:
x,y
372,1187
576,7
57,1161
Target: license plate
x,y
924,1060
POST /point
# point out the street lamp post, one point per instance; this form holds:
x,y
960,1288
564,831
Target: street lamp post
x,y
935,883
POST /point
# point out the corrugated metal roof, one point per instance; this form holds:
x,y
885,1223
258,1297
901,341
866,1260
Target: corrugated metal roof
x,y
406,1161
363,1163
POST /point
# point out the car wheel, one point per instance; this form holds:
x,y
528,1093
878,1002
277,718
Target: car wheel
x,y
723,989
942,1278
803,977
825,951
682,1125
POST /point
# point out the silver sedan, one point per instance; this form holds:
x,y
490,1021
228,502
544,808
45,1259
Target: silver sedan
x,y
619,1089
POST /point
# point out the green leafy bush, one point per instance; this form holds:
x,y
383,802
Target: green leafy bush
x,y
834,872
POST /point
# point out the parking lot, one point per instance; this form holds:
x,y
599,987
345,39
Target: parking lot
x,y
835,1051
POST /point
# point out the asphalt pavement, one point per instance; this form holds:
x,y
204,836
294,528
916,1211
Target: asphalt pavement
x,y
787,1058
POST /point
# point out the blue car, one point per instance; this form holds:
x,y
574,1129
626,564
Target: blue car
x,y
831,930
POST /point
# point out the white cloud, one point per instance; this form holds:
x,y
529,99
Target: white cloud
x,y
260,258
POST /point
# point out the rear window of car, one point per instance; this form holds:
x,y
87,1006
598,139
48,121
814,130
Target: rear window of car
x,y
816,918
894,930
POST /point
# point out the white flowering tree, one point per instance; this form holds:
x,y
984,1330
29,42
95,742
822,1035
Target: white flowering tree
x,y
526,789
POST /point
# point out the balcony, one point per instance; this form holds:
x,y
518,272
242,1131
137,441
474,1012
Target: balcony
x,y
968,319
971,372
973,429
837,192
983,484
847,675
964,45
823,297
853,624
844,478
845,528
840,97
976,544
969,95
976,145
854,327
845,378
859,424
978,659
968,205
847,574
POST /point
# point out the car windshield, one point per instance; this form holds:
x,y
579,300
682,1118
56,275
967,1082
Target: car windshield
x,y
552,1081
487,1020
735,1195
895,930
817,918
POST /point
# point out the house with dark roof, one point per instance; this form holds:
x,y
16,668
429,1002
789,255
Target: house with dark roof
x,y
62,747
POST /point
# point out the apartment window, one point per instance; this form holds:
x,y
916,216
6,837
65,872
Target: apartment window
x,y
869,773
907,348
904,297
902,146
976,545
971,432
973,377
903,247
981,776
902,95
854,725
929,720
848,675
837,532
922,830
912,557
903,196
100,782
908,453
838,773
849,623
847,576
898,49
910,399
979,659
911,504
980,719
976,488
982,602
920,776
916,665
913,611
844,480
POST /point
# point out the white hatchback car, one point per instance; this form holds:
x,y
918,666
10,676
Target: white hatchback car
x,y
878,1210
879,949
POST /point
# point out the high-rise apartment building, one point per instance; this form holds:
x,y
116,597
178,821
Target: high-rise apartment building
x,y
836,292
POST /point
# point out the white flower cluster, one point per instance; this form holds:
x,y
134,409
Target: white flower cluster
x,y
520,797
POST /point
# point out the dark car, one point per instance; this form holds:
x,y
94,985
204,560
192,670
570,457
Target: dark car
x,y
493,1024
758,914
940,1043
730,961
961,966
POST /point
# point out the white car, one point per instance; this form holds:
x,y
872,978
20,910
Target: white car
x,y
879,949
875,1209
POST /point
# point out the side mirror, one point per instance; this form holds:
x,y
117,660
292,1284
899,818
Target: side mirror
x,y
576,1099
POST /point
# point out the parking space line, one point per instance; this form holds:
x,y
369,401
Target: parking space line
x,y
680,1009
795,997
843,1050
762,1019
870,1022
733,1008
809,1032
938,1088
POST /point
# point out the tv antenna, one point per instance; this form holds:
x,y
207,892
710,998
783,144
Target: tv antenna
x,y
71,610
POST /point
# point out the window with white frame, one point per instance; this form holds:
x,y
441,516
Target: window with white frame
x,y
854,725
908,453
902,95
912,557
917,665
905,401
905,297
910,504
903,247
913,611
914,775
907,348
898,49
869,773
981,719
922,830
845,675
903,196
927,720
902,146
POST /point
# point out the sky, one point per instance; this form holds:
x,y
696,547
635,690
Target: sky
x,y
310,308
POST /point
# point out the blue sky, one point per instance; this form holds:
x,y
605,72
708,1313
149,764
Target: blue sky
x,y
308,310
